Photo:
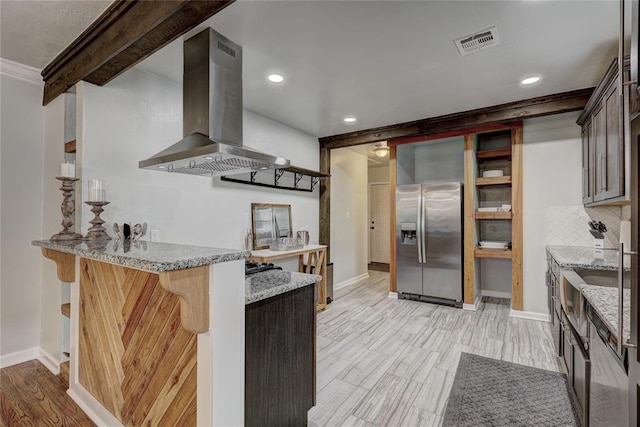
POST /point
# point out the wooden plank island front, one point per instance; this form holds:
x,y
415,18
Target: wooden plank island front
x,y
158,338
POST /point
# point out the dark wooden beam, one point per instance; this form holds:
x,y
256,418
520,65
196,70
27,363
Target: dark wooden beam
x,y
324,237
503,113
125,33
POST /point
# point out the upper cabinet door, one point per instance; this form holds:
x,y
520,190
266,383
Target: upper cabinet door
x,y
603,157
587,164
609,150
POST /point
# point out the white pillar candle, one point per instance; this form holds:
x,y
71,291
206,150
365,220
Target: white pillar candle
x,y
67,170
96,191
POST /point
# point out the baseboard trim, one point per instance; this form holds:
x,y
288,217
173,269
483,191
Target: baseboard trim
x,y
94,410
531,315
18,357
393,295
474,306
495,294
351,281
51,363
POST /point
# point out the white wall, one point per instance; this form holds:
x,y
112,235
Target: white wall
x,y
378,174
349,232
405,164
21,142
51,290
139,114
440,161
551,177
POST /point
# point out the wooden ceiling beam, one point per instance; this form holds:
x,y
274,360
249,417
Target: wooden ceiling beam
x,y
504,113
125,33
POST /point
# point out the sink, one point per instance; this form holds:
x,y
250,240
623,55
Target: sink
x,y
592,276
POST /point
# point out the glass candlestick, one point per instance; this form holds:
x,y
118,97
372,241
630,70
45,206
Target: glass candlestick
x,y
68,209
97,231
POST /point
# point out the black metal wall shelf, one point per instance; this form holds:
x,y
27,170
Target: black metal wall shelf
x,y
298,174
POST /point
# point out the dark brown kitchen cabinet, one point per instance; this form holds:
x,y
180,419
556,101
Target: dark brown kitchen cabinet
x,y
603,172
587,164
280,360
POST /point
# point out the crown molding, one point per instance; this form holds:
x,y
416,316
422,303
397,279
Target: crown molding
x,y
20,71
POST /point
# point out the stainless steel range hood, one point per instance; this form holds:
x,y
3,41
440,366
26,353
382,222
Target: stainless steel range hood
x,y
212,114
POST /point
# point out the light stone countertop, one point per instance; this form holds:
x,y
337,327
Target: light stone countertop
x,y
148,256
267,284
604,300
585,257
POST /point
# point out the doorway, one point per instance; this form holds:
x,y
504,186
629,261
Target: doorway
x,y
379,231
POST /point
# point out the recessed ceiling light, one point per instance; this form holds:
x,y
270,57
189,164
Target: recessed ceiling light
x,y
530,80
275,78
162,167
208,158
349,119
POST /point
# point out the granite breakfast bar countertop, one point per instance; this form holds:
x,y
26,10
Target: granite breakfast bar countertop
x,y
586,257
267,284
604,301
155,257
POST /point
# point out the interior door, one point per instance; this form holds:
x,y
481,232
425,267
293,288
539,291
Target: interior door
x,y
379,207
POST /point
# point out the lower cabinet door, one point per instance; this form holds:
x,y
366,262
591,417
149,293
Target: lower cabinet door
x,y
556,331
567,350
609,385
581,376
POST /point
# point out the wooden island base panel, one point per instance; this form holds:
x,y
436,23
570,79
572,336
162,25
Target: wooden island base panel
x,y
150,336
135,358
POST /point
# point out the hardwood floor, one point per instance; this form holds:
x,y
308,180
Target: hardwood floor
x,y
388,362
30,395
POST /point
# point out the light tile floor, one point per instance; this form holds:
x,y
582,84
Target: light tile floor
x,y
389,362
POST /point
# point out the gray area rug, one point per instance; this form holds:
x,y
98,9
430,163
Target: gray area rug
x,y
489,392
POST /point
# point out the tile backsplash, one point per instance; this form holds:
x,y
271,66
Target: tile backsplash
x,y
569,225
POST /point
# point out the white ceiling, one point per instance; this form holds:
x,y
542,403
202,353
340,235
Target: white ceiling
x,y
34,32
383,61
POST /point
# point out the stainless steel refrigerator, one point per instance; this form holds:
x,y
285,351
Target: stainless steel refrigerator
x,y
429,235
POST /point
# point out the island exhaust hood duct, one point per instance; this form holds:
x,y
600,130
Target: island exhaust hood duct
x,y
212,114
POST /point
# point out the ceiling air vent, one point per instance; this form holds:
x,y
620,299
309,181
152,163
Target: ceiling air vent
x,y
477,41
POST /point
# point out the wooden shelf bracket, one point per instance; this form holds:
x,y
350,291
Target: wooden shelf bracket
x,y
191,285
65,262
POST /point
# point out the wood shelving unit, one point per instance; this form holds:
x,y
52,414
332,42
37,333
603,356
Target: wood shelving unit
x,y
498,180
492,253
65,309
493,215
488,150
500,153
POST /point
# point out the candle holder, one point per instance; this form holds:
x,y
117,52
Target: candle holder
x,y
97,231
68,209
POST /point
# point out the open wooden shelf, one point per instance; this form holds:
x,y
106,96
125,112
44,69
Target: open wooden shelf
x,y
498,180
492,253
65,309
308,172
493,215
70,147
502,153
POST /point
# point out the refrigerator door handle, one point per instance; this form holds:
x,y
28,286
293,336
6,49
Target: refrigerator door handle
x,y
419,230
423,228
